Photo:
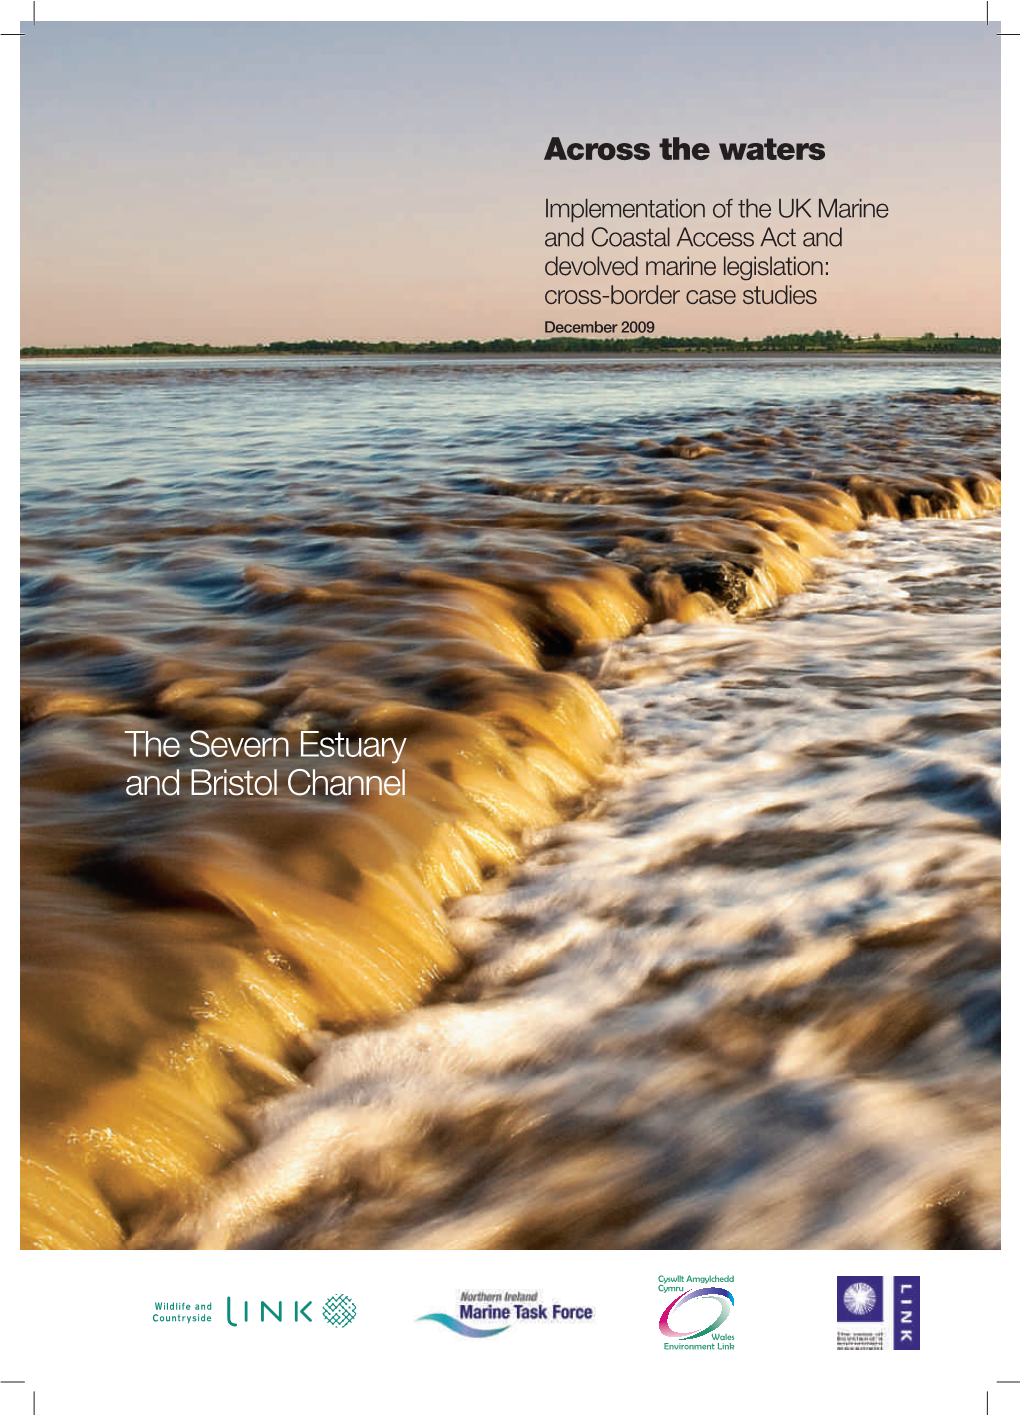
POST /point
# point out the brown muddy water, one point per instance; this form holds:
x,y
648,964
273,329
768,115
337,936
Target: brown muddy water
x,y
569,815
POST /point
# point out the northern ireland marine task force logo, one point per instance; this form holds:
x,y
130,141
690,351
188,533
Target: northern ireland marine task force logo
x,y
508,1309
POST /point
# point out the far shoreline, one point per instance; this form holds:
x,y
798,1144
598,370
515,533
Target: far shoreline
x,y
539,354
825,344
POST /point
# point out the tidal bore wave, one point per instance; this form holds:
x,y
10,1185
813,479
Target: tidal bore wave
x,y
186,959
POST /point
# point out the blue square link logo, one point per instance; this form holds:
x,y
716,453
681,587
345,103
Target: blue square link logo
x,y
906,1293
858,1299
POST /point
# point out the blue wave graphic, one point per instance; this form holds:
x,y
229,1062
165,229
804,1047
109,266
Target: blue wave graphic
x,y
461,1328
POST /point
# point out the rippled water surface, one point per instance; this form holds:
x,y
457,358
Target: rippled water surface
x,y
696,667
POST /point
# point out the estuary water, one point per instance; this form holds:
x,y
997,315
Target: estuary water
x,y
682,927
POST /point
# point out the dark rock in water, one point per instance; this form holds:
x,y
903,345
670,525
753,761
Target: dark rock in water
x,y
684,449
726,584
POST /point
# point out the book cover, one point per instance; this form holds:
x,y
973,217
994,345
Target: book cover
x,y
509,706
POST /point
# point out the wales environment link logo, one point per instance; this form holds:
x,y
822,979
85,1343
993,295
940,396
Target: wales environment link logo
x,y
721,1296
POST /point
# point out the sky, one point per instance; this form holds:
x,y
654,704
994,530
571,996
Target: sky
x,y
243,182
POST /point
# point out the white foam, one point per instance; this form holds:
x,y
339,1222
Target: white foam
x,y
677,1005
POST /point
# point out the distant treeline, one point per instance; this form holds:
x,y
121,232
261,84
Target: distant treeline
x,y
821,340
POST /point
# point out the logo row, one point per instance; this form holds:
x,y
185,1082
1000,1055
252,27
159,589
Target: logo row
x,y
699,1314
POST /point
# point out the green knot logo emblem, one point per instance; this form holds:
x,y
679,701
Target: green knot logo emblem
x,y
339,1311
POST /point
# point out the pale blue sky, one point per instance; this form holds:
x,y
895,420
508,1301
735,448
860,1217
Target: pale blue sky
x,y
231,181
